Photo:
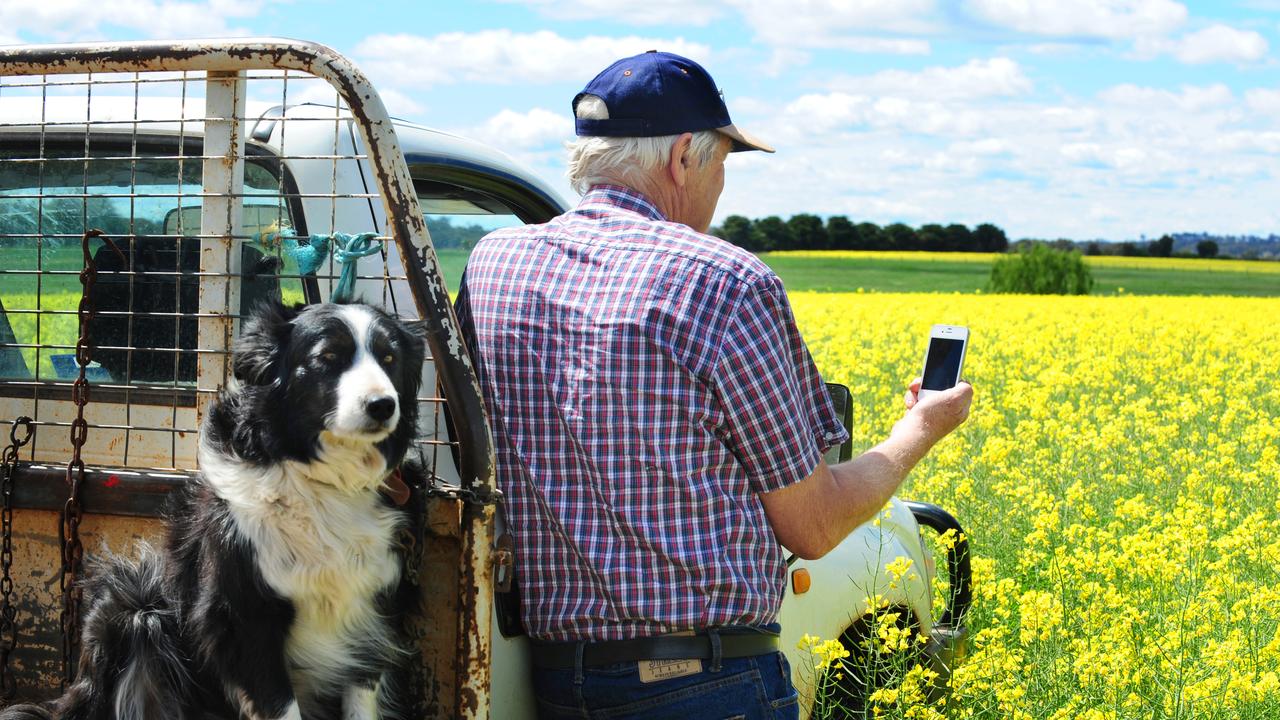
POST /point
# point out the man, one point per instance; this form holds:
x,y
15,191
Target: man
x,y
659,421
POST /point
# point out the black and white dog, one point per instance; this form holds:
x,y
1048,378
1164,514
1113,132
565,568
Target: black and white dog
x,y
273,597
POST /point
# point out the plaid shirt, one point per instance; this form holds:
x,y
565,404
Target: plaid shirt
x,y
644,383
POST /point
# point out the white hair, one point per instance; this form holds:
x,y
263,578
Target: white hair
x,y
594,160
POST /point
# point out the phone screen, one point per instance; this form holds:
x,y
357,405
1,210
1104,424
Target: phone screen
x,y
942,364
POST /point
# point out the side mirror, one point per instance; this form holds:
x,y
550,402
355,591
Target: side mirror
x,y
843,400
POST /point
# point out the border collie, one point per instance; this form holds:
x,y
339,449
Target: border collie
x,y
273,596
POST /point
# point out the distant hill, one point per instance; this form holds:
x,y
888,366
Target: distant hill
x,y
1241,246
1244,247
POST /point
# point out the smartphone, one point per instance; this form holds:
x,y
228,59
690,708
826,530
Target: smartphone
x,y
944,358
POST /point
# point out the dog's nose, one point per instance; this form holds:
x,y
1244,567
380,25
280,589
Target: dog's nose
x,y
380,408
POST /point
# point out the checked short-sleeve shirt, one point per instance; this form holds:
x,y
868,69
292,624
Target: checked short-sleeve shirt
x,y
644,382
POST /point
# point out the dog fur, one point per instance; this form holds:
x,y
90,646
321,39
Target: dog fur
x,y
273,596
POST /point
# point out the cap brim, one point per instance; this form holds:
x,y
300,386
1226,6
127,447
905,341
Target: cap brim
x,y
743,140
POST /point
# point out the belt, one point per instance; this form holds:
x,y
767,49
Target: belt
x,y
561,655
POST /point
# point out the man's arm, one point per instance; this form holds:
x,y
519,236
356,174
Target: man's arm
x,y
814,515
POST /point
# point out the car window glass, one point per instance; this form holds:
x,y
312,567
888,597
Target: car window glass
x,y
146,295
457,217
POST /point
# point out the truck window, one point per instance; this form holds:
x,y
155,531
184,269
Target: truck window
x,y
457,217
146,294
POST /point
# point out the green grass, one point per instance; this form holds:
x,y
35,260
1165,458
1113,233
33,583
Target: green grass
x,y
844,274
809,271
820,273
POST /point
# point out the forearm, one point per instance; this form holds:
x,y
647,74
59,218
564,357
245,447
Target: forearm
x,y
814,515
859,488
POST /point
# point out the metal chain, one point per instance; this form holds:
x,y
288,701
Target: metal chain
x,y
8,613
69,527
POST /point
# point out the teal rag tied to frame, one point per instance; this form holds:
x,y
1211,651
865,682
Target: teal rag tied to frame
x,y
347,249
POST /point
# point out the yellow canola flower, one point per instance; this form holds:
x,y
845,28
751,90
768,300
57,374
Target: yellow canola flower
x,y
1116,481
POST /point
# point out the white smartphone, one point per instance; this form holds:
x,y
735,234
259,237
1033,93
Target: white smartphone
x,y
944,358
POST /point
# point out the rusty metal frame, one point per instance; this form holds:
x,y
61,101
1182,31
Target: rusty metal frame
x,y
225,61
405,220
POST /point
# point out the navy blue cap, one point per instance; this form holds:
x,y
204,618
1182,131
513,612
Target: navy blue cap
x,y
659,93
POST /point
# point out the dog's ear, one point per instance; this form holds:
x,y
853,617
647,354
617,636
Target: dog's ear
x,y
263,340
417,331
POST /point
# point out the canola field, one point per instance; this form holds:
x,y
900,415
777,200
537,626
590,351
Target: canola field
x,y
1119,482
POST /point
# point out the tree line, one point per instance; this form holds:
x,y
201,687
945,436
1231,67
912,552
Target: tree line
x,y
1162,247
809,232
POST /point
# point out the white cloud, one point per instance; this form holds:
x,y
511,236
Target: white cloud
x,y
400,104
878,45
1111,19
1267,142
1216,43
1190,99
653,12
503,57
1264,100
520,131
994,77
844,24
783,59
1124,161
79,20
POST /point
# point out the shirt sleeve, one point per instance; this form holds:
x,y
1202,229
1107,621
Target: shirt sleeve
x,y
779,415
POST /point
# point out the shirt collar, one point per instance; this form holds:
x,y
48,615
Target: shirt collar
x,y
606,198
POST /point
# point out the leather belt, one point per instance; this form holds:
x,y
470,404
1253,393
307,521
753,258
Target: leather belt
x,y
561,655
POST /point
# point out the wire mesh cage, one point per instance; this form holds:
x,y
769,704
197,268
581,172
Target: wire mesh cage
x,y
151,195
195,179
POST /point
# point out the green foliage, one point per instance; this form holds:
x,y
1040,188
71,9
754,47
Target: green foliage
x,y
741,232
901,237
444,234
775,233
990,238
1128,249
1041,270
1207,249
806,231
1162,247
841,233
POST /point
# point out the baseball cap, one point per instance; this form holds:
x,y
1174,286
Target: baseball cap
x,y
660,93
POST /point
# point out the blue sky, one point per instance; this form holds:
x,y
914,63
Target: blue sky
x,y
1051,118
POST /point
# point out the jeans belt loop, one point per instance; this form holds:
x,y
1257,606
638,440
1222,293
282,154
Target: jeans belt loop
x,y
578,675
713,634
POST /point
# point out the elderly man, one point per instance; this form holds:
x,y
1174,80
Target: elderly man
x,y
659,421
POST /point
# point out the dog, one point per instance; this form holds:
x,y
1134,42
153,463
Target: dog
x,y
273,595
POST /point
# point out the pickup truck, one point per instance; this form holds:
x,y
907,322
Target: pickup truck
x,y
199,161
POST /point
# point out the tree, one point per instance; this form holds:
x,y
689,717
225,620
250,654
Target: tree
x,y
841,234
1207,249
1093,248
989,238
808,232
871,237
1129,249
774,234
932,237
741,232
1041,269
959,238
1161,248
900,237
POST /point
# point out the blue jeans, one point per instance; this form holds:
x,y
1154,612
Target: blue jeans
x,y
749,688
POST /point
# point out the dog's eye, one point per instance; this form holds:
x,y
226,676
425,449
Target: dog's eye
x,y
388,359
330,357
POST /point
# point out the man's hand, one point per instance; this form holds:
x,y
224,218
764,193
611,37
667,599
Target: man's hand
x,y
814,515
938,414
